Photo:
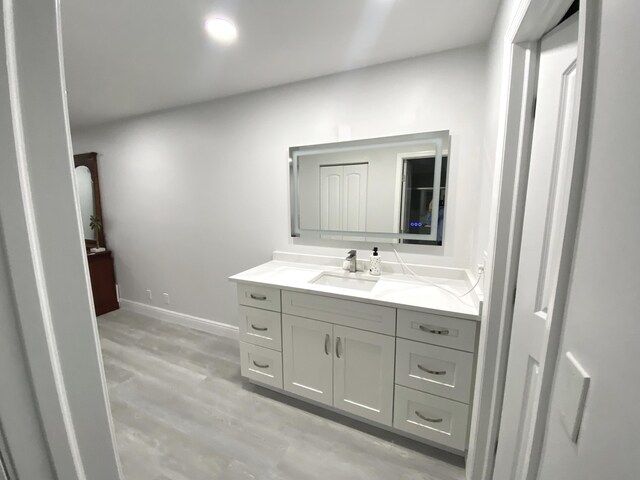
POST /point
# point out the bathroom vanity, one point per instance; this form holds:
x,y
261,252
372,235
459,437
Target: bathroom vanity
x,y
392,350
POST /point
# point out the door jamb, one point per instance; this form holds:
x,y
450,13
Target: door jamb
x,y
532,19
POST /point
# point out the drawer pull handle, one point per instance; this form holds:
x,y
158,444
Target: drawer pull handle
x,y
424,328
432,372
427,419
338,347
327,338
260,365
256,296
259,329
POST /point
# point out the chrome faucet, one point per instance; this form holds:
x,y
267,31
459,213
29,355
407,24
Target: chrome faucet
x,y
353,265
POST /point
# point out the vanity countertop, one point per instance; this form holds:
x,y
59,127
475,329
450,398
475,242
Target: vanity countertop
x,y
441,295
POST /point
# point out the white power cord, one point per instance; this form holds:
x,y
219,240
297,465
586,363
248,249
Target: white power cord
x,y
424,280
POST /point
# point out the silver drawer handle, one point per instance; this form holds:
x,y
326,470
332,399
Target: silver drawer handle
x,y
260,365
424,328
427,419
255,296
259,329
338,347
327,338
432,372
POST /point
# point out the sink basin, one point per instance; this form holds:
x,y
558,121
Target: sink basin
x,y
364,284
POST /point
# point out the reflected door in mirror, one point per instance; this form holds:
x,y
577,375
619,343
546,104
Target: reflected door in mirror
x,y
343,198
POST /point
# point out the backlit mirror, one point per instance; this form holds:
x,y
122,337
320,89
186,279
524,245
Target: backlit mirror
x,y
390,189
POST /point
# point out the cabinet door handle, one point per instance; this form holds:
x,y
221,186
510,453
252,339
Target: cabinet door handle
x,y
327,347
259,329
260,365
338,347
427,329
256,296
427,419
432,372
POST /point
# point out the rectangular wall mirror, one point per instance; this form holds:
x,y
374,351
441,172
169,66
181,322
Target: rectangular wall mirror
x,y
389,189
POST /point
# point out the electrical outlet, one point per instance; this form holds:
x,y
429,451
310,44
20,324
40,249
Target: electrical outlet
x,y
480,268
165,298
149,294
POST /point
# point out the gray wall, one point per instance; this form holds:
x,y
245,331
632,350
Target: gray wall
x,y
193,195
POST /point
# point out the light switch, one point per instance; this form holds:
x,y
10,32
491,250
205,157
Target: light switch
x,y
574,385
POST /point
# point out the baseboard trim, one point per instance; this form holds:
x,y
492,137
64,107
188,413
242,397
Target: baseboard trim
x,y
183,319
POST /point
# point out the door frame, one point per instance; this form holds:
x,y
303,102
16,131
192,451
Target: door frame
x,y
531,20
46,273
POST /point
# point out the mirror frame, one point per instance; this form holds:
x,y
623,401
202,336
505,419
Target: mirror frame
x,y
377,142
90,160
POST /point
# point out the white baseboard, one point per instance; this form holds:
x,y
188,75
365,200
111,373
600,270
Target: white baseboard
x,y
197,323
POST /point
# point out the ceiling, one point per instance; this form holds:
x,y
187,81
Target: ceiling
x,y
127,57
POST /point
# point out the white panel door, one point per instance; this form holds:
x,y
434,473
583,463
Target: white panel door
x,y
522,426
363,373
343,198
354,212
331,197
307,357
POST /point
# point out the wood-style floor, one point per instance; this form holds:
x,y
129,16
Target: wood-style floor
x,y
182,412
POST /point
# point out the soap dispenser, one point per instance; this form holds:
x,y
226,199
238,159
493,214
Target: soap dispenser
x,y
374,266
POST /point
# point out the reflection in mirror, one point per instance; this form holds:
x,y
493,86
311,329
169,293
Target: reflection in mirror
x,y
390,189
84,187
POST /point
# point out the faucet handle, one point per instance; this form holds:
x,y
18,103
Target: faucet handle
x,y
352,253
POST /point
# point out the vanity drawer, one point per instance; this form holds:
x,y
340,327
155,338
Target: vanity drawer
x,y
433,418
364,316
438,370
438,330
259,296
260,327
261,364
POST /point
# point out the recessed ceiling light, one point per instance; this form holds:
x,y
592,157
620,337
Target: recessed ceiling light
x,y
221,29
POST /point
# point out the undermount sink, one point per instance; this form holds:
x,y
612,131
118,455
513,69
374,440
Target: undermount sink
x,y
364,284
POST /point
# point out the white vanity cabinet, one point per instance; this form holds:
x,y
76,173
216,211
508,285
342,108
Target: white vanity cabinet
x,y
343,367
340,353
409,371
434,377
363,373
308,358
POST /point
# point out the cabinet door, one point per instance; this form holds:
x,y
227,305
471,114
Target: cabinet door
x,y
308,358
363,373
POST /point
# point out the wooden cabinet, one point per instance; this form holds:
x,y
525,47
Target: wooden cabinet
x,y
103,282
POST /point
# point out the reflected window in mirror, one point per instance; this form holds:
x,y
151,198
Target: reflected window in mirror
x,y
423,210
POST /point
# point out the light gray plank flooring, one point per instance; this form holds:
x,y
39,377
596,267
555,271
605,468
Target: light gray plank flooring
x,y
182,412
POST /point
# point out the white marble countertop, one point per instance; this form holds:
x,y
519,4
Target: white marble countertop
x,y
441,294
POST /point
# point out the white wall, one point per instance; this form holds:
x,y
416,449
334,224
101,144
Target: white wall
x,y
193,195
602,326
